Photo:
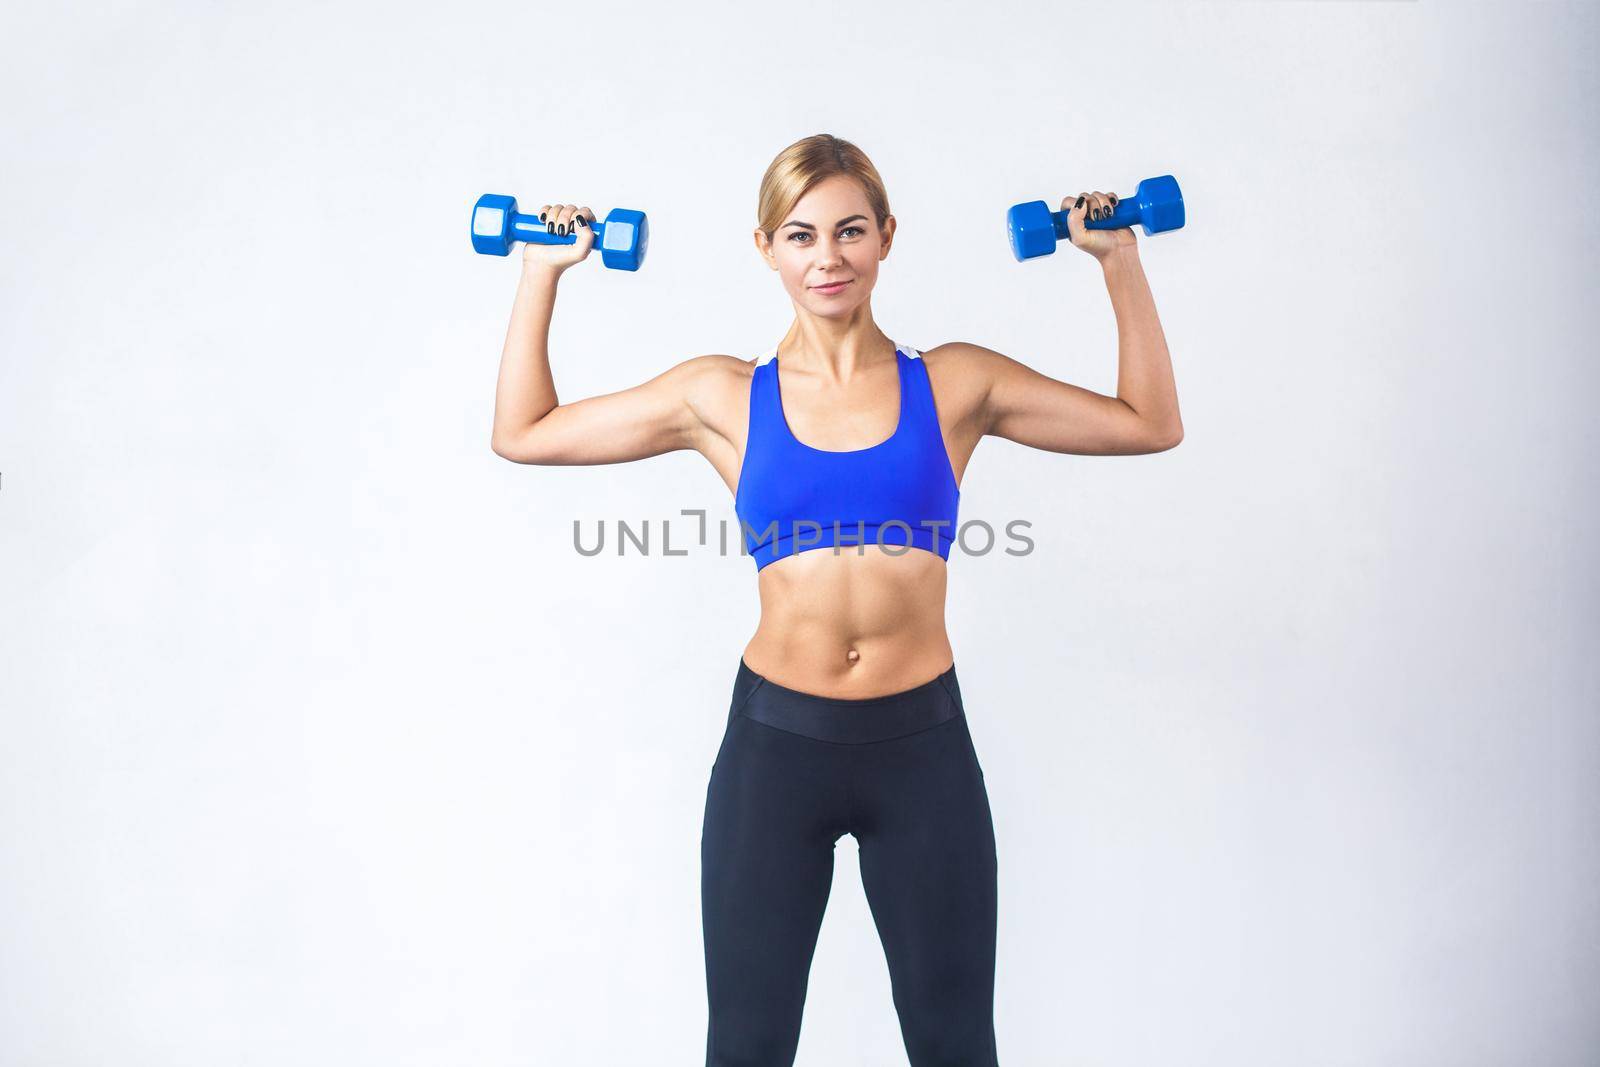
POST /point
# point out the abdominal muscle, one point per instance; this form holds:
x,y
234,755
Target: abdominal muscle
x,y
852,622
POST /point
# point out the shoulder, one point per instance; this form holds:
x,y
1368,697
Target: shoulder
x,y
961,375
711,373
716,387
962,357
962,368
714,367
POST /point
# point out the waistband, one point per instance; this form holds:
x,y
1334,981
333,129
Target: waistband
x,y
851,722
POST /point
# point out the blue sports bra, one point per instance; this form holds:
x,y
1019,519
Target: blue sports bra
x,y
792,498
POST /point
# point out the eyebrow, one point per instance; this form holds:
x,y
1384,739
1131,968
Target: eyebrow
x,y
808,226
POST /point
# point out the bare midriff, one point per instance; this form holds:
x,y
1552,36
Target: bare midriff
x,y
852,622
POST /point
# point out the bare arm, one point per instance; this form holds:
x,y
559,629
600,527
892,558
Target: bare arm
x,y
1034,409
531,425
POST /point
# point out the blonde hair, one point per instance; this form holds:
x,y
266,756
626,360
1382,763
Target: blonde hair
x,y
805,163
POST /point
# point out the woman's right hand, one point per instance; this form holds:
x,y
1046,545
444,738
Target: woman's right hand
x,y
561,219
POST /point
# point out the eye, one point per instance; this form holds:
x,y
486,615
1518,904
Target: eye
x,y
848,229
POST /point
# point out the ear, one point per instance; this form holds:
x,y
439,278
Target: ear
x,y
764,247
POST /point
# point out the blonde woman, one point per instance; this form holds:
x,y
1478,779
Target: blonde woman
x,y
846,715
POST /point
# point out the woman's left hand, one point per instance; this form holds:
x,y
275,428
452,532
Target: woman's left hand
x,y
1097,205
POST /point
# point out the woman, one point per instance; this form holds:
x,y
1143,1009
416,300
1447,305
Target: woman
x,y
846,714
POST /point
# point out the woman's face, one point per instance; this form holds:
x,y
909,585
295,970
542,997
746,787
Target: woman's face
x,y
829,237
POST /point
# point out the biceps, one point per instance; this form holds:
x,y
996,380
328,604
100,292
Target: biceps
x,y
646,420
1039,411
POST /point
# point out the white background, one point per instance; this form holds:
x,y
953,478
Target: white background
x,y
321,744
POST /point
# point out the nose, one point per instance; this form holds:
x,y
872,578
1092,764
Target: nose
x,y
828,254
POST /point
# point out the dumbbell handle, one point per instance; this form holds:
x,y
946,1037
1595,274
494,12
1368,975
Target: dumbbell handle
x,y
528,228
1125,213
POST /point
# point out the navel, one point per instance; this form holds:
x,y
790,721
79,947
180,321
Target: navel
x,y
853,656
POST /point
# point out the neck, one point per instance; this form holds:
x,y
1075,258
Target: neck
x,y
819,347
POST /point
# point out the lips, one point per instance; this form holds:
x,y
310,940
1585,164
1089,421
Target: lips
x,y
834,285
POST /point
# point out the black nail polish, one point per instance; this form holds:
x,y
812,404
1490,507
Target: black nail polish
x,y
541,216
550,226
1079,203
561,231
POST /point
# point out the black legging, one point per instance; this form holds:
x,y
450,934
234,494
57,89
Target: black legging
x,y
795,773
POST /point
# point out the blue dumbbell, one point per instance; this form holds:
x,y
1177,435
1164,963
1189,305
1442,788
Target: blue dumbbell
x,y
621,239
1034,229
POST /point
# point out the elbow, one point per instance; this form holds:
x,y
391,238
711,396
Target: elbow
x,y
521,442
507,448
1169,438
